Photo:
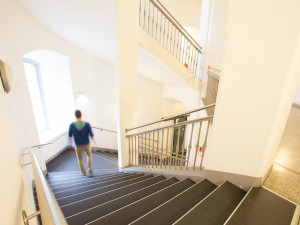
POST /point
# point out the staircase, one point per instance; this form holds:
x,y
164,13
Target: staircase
x,y
111,197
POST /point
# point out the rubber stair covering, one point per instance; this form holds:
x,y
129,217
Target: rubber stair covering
x,y
95,213
216,207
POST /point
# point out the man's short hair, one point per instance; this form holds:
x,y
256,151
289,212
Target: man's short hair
x,y
78,114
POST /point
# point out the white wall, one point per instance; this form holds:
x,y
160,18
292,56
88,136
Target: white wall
x,y
83,67
150,98
257,86
23,34
297,97
12,187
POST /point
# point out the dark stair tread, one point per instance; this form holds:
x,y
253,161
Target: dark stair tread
x,y
85,204
263,207
61,175
97,191
85,182
217,207
93,186
132,212
80,177
106,208
179,205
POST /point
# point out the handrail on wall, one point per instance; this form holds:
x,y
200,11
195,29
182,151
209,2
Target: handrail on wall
x,y
172,117
49,209
64,133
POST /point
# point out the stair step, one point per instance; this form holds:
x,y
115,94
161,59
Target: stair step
x,y
106,208
139,208
84,182
105,157
172,210
108,154
85,204
263,207
53,176
100,190
216,207
69,192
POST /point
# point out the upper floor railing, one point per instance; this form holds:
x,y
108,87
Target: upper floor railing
x,y
163,27
180,145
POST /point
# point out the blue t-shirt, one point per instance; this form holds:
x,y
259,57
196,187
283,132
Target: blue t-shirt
x,y
81,133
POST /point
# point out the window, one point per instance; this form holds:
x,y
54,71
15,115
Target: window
x,y
35,87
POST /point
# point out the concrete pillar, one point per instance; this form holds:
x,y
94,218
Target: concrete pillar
x,y
126,73
258,84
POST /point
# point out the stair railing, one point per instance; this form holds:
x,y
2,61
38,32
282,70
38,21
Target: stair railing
x,y
158,22
49,209
164,148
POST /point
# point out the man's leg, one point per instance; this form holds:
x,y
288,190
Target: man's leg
x,y
79,150
88,151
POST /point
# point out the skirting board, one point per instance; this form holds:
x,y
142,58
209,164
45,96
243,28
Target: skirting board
x,y
242,181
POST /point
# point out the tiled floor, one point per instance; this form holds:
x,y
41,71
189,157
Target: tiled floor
x,y
285,176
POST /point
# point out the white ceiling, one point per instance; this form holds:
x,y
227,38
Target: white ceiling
x,y
87,24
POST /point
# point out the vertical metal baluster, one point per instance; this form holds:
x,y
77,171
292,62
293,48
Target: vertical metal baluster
x,y
197,62
149,150
164,31
179,46
167,150
189,148
171,38
149,18
144,150
143,140
139,155
177,147
183,46
145,15
140,11
156,24
129,151
162,148
157,149
152,158
135,150
152,19
183,145
174,42
197,145
160,28
168,35
192,60
204,145
185,51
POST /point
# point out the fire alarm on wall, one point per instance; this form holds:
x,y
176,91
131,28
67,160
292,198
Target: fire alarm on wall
x,y
7,77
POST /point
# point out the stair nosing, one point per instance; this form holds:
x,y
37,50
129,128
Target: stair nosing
x,y
96,188
139,200
88,185
104,158
86,181
167,201
108,191
199,203
236,208
121,197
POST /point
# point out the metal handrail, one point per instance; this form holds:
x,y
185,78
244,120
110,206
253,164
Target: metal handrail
x,y
181,28
49,209
172,126
64,133
171,117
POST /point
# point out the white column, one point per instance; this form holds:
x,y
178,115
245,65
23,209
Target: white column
x,y
126,73
258,84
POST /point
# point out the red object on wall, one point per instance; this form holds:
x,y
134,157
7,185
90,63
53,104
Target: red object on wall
x,y
186,65
200,149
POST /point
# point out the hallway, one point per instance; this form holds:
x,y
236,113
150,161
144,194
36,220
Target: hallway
x,y
285,176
